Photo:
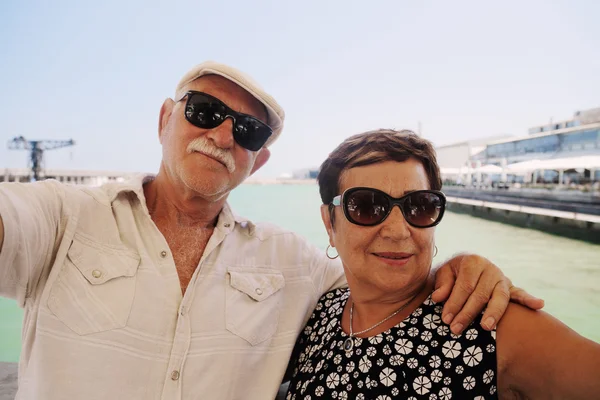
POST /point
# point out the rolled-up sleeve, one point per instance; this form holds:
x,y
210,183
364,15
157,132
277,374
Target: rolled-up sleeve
x,y
31,215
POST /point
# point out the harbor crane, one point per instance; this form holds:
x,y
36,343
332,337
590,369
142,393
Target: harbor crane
x,y
36,150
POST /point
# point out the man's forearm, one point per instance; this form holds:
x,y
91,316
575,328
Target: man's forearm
x,y
30,223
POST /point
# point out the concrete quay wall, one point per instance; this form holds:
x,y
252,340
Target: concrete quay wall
x,y
563,223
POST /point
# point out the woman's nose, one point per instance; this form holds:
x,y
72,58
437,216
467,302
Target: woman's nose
x,y
395,225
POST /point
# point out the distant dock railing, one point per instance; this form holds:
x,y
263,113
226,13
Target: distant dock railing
x,y
564,223
526,209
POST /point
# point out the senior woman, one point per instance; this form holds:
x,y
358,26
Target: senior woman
x,y
383,337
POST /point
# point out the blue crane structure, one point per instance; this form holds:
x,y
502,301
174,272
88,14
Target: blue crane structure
x,y
36,150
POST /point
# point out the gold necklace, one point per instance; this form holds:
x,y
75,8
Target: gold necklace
x,y
349,342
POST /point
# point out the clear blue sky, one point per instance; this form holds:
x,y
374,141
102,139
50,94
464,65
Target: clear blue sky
x,y
98,71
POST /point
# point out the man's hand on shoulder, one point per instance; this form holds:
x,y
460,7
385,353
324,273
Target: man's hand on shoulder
x,y
468,283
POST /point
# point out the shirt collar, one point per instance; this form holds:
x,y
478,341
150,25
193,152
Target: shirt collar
x,y
135,185
226,220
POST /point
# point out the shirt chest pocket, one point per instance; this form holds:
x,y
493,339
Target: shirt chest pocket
x,y
95,287
253,302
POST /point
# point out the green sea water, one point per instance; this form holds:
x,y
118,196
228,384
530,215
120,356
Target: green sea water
x,y
564,272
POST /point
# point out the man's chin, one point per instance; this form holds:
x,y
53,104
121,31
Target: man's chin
x,y
209,183
209,178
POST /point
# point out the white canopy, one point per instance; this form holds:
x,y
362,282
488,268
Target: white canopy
x,y
524,166
486,169
489,169
450,171
587,162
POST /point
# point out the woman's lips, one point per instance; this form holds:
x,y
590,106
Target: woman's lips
x,y
394,258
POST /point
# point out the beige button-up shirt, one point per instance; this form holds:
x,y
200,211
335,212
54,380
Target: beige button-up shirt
x,y
104,314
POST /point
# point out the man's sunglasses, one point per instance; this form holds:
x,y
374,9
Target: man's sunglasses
x,y
368,207
208,112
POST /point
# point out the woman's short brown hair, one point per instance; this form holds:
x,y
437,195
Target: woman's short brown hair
x,y
373,147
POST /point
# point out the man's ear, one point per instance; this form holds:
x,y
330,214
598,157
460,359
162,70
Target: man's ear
x,y
261,159
163,119
326,217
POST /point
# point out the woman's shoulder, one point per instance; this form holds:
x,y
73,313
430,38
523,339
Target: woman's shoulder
x,y
329,307
335,294
425,327
333,299
434,358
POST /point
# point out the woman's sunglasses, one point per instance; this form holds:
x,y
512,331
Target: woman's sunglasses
x,y
208,112
368,207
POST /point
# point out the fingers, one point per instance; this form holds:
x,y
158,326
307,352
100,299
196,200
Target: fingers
x,y
466,282
496,306
444,282
478,299
520,296
471,283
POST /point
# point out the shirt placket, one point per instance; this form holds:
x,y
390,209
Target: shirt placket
x,y
181,345
183,332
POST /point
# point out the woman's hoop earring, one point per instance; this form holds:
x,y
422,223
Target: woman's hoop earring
x,y
436,251
327,253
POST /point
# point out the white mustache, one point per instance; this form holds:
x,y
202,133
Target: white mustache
x,y
203,145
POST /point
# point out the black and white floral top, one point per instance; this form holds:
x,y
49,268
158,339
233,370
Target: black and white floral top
x,y
417,359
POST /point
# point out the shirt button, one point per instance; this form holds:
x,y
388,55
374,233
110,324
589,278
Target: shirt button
x,y
259,291
227,225
163,254
96,273
174,375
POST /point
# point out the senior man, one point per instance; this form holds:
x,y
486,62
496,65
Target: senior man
x,y
155,289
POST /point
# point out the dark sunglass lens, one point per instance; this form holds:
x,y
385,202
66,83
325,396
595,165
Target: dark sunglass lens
x,y
423,209
205,112
367,207
250,133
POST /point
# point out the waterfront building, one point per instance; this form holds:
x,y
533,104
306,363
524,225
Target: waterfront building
x,y
558,152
